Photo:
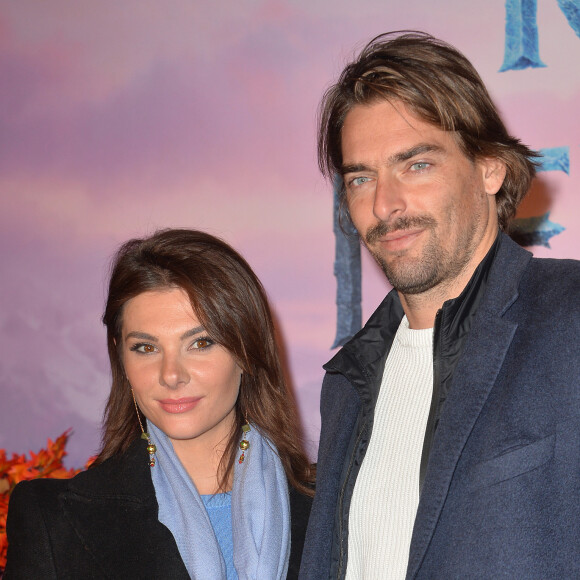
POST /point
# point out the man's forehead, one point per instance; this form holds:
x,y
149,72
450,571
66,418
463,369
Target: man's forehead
x,y
392,130
384,107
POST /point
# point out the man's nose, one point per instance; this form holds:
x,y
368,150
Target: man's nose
x,y
389,198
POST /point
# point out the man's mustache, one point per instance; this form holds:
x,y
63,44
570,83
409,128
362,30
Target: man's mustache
x,y
402,223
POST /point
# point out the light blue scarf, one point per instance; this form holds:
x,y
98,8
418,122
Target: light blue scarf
x,y
260,512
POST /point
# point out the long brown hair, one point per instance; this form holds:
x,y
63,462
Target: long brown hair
x,y
441,87
231,304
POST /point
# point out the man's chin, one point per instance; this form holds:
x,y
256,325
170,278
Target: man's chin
x,y
407,275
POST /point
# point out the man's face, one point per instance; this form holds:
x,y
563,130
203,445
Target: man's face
x,y
423,209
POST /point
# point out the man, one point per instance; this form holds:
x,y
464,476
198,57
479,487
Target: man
x,y
450,441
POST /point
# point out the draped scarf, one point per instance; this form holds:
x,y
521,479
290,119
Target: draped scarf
x,y
260,512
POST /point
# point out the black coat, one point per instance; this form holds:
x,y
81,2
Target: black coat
x,y
103,524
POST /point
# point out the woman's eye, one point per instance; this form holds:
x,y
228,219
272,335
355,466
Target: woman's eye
x,y
144,348
202,343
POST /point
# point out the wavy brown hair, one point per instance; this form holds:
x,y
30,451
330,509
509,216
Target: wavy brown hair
x,y
441,87
231,304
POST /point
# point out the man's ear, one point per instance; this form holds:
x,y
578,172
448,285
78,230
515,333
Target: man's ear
x,y
493,173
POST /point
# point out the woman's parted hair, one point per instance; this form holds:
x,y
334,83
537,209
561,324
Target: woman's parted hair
x,y
442,88
231,304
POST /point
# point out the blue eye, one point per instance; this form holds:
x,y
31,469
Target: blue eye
x,y
420,166
359,180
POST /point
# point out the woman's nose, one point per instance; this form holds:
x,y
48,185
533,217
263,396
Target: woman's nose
x,y
173,372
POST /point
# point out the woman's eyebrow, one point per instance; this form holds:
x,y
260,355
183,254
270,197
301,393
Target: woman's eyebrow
x,y
191,332
141,336
150,337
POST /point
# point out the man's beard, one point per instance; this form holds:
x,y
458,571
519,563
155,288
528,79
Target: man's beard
x,y
412,275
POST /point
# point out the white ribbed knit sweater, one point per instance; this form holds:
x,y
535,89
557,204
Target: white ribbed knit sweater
x,y
386,492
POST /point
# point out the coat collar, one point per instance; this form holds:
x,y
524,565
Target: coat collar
x,y
113,510
362,359
483,355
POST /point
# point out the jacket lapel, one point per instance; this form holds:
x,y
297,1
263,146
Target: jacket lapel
x,y
475,375
113,511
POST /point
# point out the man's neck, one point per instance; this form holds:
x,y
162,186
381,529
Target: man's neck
x,y
421,309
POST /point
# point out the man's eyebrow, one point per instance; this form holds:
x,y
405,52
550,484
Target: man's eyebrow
x,y
150,337
413,152
394,159
354,168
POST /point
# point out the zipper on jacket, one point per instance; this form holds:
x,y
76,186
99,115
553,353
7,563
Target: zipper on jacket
x,y
430,428
340,502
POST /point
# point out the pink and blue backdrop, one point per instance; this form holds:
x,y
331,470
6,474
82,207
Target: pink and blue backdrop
x,y
120,118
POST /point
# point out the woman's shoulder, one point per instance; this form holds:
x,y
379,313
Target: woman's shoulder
x,y
300,505
32,492
111,476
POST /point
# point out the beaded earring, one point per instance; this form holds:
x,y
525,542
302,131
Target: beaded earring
x,y
244,443
151,449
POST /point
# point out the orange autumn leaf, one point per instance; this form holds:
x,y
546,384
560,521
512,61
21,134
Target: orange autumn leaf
x,y
46,463
21,472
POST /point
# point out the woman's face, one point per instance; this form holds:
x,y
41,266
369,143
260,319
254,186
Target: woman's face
x,y
184,383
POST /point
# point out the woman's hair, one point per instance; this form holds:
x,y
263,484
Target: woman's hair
x,y
231,304
442,88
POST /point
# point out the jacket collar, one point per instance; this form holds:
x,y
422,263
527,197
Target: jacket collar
x,y
483,354
452,325
113,509
362,358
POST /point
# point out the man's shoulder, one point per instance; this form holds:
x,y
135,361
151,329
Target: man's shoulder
x,y
556,265
548,297
545,281
557,278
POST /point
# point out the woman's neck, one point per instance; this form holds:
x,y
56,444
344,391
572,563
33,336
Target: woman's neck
x,y
202,463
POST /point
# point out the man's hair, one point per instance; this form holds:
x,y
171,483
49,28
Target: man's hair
x,y
441,87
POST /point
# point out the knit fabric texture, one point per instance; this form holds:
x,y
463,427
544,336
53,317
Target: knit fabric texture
x,y
386,493
219,510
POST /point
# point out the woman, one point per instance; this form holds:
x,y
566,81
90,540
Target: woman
x,y
201,473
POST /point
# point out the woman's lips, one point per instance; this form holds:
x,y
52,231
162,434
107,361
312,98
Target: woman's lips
x,y
179,405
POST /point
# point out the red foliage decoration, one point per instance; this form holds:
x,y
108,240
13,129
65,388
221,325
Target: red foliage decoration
x,y
46,463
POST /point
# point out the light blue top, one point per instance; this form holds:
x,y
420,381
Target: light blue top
x,y
219,510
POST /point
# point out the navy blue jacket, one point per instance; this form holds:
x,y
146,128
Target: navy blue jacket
x,y
501,494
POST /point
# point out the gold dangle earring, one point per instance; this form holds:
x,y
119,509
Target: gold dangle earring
x,y
151,449
244,443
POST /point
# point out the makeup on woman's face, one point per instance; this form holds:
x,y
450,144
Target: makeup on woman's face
x,y
184,382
